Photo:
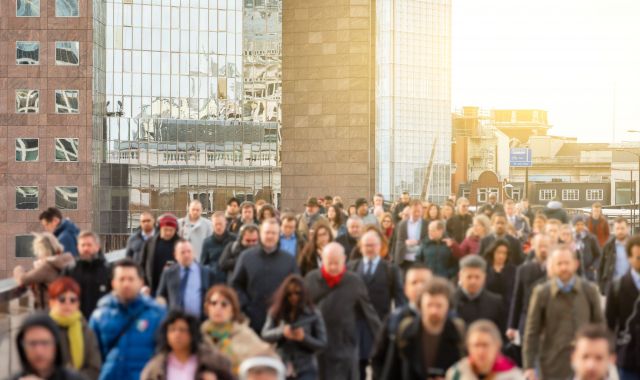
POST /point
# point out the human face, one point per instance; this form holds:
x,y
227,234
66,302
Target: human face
x,y
500,255
219,225
433,212
65,304
167,233
435,233
387,223
553,231
378,201
564,265
446,212
499,225
312,209
352,210
195,210
269,235
414,283
50,226
183,253
463,208
370,245
250,239
492,199
434,309
146,223
219,309
88,247
416,212
363,210
580,226
472,280
126,283
331,213
354,228
404,198
621,230
539,224
541,248
247,214
322,236
510,208
40,349
288,227
478,229
267,214
596,212
483,351
333,261
634,258
179,336
566,235
591,359
293,294
232,208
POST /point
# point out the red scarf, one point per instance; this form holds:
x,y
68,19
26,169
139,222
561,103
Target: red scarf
x,y
332,280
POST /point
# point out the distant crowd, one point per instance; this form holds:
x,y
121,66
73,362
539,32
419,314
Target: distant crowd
x,y
411,290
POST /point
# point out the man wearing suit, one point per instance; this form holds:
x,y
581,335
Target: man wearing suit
x,y
528,276
499,231
409,235
519,222
458,224
184,284
622,298
383,282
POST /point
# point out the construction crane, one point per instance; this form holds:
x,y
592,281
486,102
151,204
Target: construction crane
x,y
427,174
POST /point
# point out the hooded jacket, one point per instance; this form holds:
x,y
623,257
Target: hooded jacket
x,y
60,372
67,234
212,249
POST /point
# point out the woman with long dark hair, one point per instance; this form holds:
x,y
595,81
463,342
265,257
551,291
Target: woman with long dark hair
x,y
336,217
501,272
309,258
297,329
182,353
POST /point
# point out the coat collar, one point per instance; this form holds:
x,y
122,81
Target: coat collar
x,y
577,286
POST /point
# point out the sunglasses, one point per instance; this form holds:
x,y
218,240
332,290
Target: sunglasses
x,y
223,304
71,300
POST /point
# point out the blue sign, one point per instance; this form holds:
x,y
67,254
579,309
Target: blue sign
x,y
520,157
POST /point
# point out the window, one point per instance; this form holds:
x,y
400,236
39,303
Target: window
x,y
27,101
595,194
570,194
67,101
24,246
483,193
67,52
27,197
67,150
27,150
27,8
67,197
516,193
27,53
67,8
547,194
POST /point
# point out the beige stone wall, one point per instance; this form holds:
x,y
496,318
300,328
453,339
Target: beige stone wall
x,y
328,107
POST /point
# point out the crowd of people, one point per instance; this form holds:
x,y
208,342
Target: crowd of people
x,y
409,290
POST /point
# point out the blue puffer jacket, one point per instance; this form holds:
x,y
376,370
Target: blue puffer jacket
x,y
136,347
67,234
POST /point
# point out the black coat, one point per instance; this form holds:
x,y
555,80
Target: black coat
x,y
94,278
229,258
528,276
516,256
257,276
383,287
134,245
147,260
607,265
340,307
502,283
212,249
487,305
169,287
589,255
301,354
347,242
622,298
458,225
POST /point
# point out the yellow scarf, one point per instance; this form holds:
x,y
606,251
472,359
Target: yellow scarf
x,y
73,324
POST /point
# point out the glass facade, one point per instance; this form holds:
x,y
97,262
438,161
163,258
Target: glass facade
x,y
27,150
66,197
67,52
27,53
27,8
27,101
413,97
170,127
67,8
27,197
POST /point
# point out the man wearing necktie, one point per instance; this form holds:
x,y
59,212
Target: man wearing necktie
x,y
183,285
383,281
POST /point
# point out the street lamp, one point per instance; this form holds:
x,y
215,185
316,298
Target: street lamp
x,y
638,156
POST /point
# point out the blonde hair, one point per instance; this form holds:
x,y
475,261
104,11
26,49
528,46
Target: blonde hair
x,y
45,245
482,219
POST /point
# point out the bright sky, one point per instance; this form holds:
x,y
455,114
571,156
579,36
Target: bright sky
x,y
563,56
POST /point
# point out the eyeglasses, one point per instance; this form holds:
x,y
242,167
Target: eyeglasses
x,y
71,300
31,344
223,304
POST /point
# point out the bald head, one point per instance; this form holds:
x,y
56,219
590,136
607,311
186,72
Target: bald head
x,y
333,258
370,244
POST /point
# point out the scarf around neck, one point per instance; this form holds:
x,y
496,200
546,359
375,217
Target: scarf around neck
x,y
73,324
332,280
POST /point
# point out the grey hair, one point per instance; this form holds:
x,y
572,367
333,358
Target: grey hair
x,y
45,245
473,262
355,218
487,327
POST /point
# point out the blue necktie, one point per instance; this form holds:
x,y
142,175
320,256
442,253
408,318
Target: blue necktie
x,y
183,286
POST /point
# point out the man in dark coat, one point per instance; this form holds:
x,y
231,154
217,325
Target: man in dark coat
x,y
349,241
427,344
157,253
409,233
384,286
248,237
528,275
613,264
499,231
471,300
623,313
492,206
405,198
137,239
259,272
458,224
588,248
91,271
184,285
341,296
214,245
